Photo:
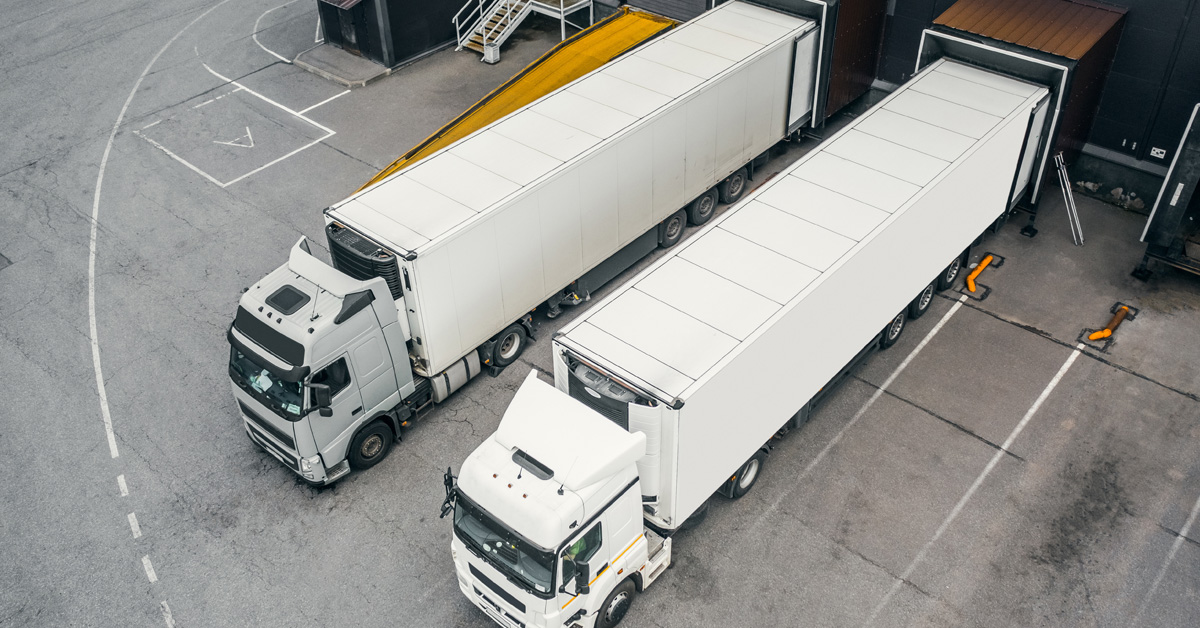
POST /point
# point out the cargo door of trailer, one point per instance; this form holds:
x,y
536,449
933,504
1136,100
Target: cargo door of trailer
x,y
804,73
1035,141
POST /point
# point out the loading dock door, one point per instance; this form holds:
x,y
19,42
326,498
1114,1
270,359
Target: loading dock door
x,y
804,73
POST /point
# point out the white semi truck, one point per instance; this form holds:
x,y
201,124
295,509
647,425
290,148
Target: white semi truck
x,y
671,388
437,268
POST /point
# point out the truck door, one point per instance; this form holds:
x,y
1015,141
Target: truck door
x,y
332,433
1031,151
804,84
589,547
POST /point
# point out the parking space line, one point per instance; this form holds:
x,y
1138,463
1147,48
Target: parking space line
x,y
267,100
299,114
962,502
275,161
304,111
861,411
1162,571
180,160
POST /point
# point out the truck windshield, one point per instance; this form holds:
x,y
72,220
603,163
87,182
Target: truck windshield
x,y
283,398
530,567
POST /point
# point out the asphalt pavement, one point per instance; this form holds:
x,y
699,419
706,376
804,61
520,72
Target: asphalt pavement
x,y
989,470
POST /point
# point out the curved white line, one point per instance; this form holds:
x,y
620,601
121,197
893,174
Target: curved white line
x,y
95,338
254,35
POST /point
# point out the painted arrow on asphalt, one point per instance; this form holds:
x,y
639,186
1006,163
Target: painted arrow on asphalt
x,y
249,141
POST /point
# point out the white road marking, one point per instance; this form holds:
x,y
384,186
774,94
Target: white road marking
x,y
303,111
153,577
209,101
94,337
181,160
254,35
134,527
167,617
151,124
267,100
237,142
317,38
962,502
1162,571
861,411
328,134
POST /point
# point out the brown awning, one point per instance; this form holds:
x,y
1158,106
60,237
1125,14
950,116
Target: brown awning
x,y
1067,28
342,4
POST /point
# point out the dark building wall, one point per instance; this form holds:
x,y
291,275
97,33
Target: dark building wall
x,y
1149,92
419,26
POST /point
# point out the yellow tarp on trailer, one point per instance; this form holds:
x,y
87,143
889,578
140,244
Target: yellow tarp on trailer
x,y
569,60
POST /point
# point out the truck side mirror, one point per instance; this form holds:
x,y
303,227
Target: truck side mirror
x,y
581,578
323,400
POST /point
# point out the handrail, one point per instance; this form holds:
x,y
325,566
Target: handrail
x,y
470,19
509,15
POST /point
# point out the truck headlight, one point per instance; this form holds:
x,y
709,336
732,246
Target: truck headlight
x,y
308,464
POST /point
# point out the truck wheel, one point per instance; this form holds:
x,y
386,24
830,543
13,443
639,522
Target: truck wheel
x,y
703,208
748,474
731,189
371,445
892,332
509,345
616,605
946,279
670,231
921,304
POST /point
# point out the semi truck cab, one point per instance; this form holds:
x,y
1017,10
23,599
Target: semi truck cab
x,y
319,365
548,527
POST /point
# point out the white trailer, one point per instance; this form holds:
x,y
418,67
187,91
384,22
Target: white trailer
x,y
728,341
542,206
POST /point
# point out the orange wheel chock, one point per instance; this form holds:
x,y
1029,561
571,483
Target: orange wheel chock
x,y
975,273
1111,326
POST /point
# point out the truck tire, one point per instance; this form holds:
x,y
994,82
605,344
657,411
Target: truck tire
x,y
670,231
747,476
733,187
616,605
703,208
946,279
892,332
509,345
921,304
370,445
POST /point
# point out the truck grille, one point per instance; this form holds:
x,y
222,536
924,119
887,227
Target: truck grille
x,y
361,258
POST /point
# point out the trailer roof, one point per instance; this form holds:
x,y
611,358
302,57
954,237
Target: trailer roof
x,y
426,201
675,322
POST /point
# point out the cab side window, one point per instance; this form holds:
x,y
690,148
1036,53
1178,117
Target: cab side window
x,y
581,550
336,376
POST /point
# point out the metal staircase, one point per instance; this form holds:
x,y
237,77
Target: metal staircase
x,y
483,25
